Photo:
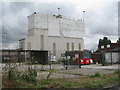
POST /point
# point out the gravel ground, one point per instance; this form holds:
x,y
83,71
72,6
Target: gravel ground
x,y
73,73
86,71
99,66
43,75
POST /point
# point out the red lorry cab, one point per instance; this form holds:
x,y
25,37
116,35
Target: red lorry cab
x,y
85,61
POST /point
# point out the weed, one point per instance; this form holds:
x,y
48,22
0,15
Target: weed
x,y
97,74
43,83
30,76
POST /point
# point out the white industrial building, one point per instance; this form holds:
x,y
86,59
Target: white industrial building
x,y
56,34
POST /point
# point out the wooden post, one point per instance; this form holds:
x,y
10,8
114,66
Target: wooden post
x,y
79,61
9,72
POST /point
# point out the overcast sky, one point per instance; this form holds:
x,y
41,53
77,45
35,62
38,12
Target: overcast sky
x,y
101,18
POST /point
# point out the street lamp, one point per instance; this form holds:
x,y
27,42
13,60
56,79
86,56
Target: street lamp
x,y
58,16
83,15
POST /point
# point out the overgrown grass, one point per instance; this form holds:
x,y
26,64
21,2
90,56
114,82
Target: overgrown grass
x,y
16,84
87,82
41,84
98,81
68,84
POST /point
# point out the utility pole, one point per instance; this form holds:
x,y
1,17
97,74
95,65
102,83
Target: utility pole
x,y
59,17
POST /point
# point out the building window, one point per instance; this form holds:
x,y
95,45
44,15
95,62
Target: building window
x,y
29,46
108,46
72,46
42,42
102,47
79,46
67,45
54,49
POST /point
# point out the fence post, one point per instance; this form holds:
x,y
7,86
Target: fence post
x,y
79,61
9,72
66,60
118,58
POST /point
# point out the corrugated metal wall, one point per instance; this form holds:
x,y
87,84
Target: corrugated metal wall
x,y
111,57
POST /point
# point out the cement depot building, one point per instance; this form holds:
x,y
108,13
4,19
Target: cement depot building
x,y
53,33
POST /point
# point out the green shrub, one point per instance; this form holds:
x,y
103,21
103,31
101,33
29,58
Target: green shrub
x,y
97,74
30,76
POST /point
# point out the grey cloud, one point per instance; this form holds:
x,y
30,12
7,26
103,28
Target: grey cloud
x,y
15,7
15,17
104,22
13,24
103,29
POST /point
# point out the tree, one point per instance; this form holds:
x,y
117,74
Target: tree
x,y
104,41
118,41
100,41
109,41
